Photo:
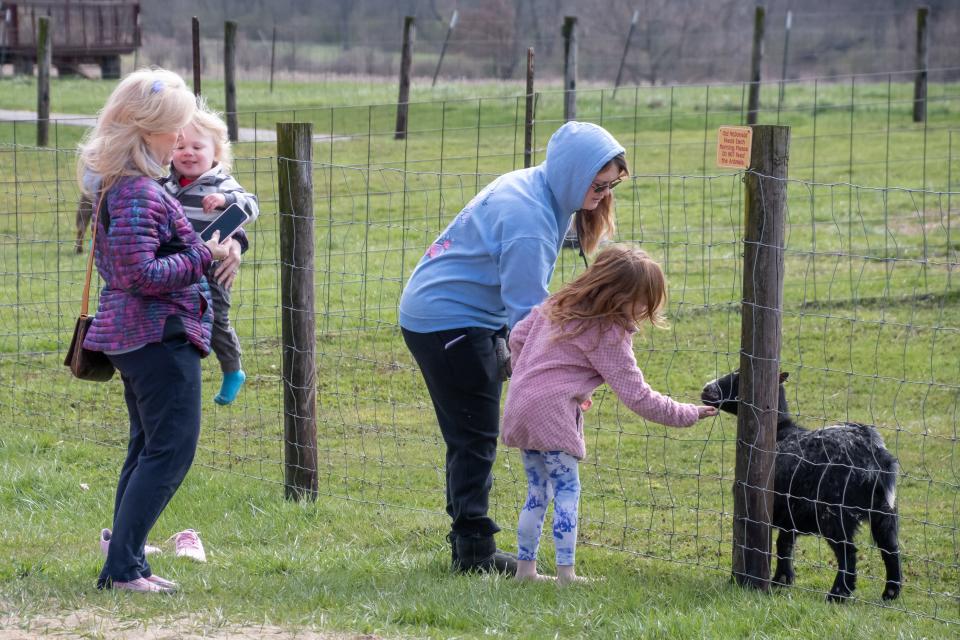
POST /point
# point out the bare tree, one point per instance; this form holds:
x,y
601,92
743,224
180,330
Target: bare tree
x,y
491,25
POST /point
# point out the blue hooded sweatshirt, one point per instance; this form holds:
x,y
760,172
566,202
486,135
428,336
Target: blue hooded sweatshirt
x,y
493,262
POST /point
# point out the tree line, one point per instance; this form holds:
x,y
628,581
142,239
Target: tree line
x,y
673,40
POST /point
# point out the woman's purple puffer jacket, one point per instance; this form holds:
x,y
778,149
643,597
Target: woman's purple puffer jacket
x,y
152,263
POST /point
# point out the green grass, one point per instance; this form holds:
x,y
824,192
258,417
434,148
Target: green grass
x,y
360,568
871,333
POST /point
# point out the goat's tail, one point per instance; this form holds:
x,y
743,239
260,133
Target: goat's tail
x,y
888,468
888,482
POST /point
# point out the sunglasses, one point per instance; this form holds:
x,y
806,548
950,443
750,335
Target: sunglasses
x,y
599,188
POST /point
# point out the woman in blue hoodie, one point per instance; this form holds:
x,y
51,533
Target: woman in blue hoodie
x,y
481,276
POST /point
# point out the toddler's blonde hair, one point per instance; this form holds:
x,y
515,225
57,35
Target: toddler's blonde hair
x,y
146,101
209,123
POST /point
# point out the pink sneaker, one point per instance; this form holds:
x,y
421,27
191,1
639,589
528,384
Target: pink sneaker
x,y
141,585
188,545
163,582
105,536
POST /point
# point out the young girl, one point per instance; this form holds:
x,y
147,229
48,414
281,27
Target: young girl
x,y
201,181
579,338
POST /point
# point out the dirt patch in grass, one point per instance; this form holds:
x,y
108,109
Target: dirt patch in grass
x,y
95,624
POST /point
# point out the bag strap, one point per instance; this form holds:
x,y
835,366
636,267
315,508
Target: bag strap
x,y
85,299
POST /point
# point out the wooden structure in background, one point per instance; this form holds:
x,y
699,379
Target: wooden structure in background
x,y
83,31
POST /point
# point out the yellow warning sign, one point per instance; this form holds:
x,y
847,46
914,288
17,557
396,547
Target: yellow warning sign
x,y
733,147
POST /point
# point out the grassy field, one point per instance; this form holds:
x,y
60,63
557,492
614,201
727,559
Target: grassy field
x,y
871,333
343,565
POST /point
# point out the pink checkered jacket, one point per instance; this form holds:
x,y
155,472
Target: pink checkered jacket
x,y
553,375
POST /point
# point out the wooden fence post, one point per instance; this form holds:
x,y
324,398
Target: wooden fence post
x,y
230,76
443,49
626,48
528,115
760,338
569,68
406,60
44,58
756,61
298,315
920,81
196,55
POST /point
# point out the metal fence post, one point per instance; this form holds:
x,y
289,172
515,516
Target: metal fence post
x,y
273,55
920,81
786,56
443,50
756,62
528,115
626,49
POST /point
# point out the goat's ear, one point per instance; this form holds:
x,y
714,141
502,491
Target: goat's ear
x,y
783,376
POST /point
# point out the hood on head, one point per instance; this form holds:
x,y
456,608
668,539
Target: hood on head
x,y
576,152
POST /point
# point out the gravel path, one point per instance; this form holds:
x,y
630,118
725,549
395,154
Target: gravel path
x,y
245,134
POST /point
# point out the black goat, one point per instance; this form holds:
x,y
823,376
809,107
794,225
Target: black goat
x,y
827,482
82,219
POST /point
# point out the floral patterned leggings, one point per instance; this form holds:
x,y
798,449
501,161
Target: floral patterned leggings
x,y
549,474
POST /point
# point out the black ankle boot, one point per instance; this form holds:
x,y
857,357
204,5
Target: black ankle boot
x,y
478,552
454,558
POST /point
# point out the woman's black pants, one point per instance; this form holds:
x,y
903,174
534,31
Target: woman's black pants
x,y
161,383
460,369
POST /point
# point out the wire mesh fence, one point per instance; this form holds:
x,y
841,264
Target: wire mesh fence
x,y
870,321
697,42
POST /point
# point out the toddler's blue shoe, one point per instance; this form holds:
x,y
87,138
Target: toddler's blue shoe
x,y
230,387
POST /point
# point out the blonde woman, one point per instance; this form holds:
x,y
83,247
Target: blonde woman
x,y
581,337
154,314
482,275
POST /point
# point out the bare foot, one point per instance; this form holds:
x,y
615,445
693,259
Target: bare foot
x,y
536,577
566,575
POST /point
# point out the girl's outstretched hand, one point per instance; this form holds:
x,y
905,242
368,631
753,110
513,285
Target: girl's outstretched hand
x,y
706,412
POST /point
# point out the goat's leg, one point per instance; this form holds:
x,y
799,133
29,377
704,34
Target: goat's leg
x,y
784,575
883,526
846,580
82,219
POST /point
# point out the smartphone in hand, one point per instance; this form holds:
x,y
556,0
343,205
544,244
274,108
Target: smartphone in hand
x,y
226,223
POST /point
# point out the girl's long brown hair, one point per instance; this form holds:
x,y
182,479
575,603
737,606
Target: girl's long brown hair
x,y
621,279
594,226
